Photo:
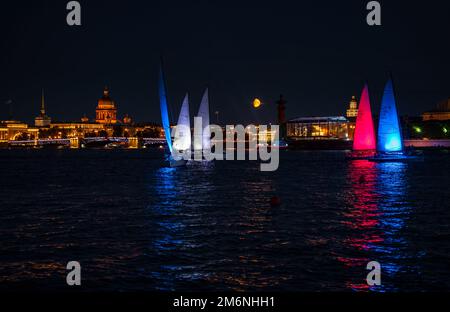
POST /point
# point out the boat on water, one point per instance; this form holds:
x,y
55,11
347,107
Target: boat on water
x,y
394,158
364,142
390,147
179,149
389,140
202,140
281,144
173,161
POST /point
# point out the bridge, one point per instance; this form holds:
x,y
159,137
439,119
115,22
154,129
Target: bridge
x,y
132,142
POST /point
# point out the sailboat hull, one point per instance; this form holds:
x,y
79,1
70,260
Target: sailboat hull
x,y
361,155
394,158
177,163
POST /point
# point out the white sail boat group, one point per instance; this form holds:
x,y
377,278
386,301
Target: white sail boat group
x,y
181,147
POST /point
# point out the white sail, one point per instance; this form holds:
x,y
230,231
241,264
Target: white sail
x,y
182,140
203,140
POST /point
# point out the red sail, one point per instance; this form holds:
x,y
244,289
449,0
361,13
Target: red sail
x,y
364,138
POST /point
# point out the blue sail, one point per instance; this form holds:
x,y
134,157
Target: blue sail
x,y
163,107
389,132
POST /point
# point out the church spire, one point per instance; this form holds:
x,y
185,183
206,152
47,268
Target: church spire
x,y
42,120
106,92
42,103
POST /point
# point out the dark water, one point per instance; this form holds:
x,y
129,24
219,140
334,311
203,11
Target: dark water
x,y
135,225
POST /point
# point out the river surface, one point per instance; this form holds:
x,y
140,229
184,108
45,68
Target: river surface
x,y
134,224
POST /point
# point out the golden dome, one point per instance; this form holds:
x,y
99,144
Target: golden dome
x,y
106,111
105,102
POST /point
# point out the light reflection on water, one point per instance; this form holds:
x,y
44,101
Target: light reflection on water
x,y
377,212
137,225
191,230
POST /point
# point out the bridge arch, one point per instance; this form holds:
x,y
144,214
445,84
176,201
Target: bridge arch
x,y
23,136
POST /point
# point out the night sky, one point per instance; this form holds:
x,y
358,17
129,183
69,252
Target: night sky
x,y
317,53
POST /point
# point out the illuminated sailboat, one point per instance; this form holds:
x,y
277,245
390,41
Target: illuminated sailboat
x,y
390,142
389,132
202,140
364,137
174,162
182,138
163,107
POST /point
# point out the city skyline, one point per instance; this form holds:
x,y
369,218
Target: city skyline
x,y
90,116
260,52
239,154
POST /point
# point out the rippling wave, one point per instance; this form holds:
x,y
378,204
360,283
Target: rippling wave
x,y
135,224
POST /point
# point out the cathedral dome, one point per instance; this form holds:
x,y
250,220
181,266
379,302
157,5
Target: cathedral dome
x,y
105,102
106,111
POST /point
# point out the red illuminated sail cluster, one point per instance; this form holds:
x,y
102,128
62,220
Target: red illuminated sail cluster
x,y
364,138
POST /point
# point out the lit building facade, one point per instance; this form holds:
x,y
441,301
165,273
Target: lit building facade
x,y
441,113
318,128
15,130
74,129
106,112
352,114
352,111
105,125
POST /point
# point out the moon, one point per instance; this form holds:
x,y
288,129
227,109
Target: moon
x,y
257,103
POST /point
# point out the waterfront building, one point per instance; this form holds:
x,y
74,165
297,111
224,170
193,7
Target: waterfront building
x,y
417,129
335,127
440,113
77,129
12,130
127,120
106,112
352,111
62,130
42,120
319,133
105,125
85,119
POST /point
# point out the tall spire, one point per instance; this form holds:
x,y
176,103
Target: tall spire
x,y
42,104
42,120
